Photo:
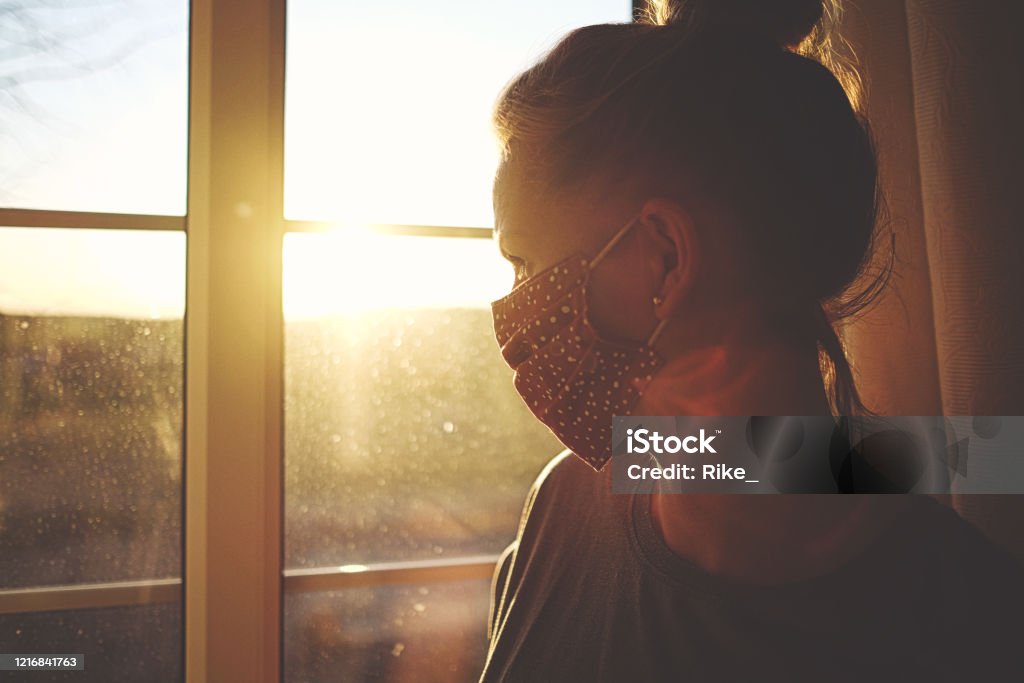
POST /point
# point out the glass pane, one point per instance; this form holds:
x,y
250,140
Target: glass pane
x,y
95,104
91,364
404,436
433,633
388,103
120,644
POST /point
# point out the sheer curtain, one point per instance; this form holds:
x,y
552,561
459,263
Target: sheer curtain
x,y
946,101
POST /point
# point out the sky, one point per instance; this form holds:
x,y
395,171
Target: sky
x,y
387,120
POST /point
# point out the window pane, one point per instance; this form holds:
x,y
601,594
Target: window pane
x,y
405,438
119,643
95,104
388,103
432,633
141,643
91,366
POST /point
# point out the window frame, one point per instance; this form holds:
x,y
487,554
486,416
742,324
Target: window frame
x,y
234,396
233,578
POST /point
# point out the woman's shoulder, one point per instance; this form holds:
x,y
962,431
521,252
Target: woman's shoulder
x,y
565,481
558,469
564,497
546,513
941,529
551,484
977,583
970,568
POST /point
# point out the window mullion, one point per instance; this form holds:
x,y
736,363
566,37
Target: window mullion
x,y
234,339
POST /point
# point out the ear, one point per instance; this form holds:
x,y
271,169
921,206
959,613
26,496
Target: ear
x,y
672,228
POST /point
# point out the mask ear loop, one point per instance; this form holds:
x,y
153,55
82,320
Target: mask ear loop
x,y
657,332
613,241
604,252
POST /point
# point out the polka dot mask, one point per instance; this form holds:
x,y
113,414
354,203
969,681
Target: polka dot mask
x,y
571,378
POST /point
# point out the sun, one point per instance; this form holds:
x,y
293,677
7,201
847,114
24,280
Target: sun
x,y
354,269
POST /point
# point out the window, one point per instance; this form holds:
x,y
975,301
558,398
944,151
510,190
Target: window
x,y
407,451
306,432
387,117
90,446
95,106
92,299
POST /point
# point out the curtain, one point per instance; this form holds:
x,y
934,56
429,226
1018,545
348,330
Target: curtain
x,y
945,98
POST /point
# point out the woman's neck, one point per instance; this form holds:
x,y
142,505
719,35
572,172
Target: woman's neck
x,y
741,373
756,538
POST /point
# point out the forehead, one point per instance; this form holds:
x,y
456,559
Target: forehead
x,y
525,210
535,220
506,196
507,223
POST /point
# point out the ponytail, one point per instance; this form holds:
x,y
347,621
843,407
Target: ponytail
x,y
836,372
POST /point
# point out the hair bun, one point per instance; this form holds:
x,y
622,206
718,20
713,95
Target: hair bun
x,y
785,22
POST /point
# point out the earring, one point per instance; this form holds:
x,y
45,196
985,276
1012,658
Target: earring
x,y
657,300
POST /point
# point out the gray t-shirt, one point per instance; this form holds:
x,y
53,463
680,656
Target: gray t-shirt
x,y
589,592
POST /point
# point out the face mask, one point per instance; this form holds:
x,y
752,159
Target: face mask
x,y
571,378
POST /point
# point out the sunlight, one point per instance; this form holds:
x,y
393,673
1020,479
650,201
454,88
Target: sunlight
x,y
387,118
141,274
354,269
96,107
110,273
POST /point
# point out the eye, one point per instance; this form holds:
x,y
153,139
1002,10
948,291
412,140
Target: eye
x,y
518,267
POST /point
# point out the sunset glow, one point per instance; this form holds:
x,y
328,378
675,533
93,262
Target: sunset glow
x,y
113,273
352,269
388,107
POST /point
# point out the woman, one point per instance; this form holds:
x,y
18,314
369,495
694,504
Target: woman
x,y
688,202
